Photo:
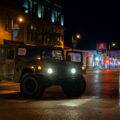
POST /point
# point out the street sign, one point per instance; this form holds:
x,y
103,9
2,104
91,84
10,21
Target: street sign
x,y
101,52
101,46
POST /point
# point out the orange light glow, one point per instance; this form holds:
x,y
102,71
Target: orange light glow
x,y
113,44
78,36
38,58
39,68
20,19
83,68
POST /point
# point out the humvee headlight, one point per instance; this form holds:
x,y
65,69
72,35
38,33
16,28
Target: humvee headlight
x,y
83,68
73,70
39,68
32,67
50,71
38,58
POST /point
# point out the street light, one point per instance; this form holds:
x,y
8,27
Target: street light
x,y
78,36
113,44
75,38
20,20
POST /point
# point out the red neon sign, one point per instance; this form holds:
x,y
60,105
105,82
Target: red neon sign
x,y
101,46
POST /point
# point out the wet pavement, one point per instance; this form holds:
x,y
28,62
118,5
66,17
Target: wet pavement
x,y
100,101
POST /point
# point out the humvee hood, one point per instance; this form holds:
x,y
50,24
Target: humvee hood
x,y
50,63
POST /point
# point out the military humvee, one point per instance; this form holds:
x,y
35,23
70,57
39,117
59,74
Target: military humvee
x,y
37,68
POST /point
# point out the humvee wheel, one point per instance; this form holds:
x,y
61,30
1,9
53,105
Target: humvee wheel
x,y
74,88
31,86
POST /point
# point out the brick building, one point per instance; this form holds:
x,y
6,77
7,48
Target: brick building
x,y
43,22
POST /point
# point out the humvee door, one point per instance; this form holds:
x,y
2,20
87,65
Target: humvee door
x,y
2,62
9,64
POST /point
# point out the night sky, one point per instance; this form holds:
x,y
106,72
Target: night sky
x,y
98,21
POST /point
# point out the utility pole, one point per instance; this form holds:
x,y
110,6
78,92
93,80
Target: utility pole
x,y
75,38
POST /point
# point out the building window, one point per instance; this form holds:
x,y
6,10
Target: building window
x,y
62,20
25,5
35,8
57,15
30,6
47,11
7,23
39,11
42,11
6,27
53,16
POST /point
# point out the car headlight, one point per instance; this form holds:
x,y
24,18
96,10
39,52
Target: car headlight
x,y
73,70
50,70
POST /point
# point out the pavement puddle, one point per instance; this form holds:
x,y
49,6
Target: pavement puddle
x,y
74,103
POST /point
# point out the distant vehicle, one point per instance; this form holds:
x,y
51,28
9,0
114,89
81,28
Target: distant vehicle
x,y
75,57
37,68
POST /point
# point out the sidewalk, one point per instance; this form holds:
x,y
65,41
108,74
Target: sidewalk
x,y
94,69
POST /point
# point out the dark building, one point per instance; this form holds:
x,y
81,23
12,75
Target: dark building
x,y
32,21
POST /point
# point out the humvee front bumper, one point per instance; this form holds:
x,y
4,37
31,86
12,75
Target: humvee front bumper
x,y
58,80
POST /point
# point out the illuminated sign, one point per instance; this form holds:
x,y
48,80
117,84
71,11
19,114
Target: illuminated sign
x,y
101,46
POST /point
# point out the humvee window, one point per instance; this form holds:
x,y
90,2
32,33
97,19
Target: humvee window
x,y
52,54
75,57
28,52
10,54
22,51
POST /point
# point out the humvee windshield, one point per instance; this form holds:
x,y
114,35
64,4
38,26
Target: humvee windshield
x,y
52,54
55,54
74,56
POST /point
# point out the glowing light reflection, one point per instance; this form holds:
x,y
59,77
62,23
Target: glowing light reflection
x,y
75,103
97,71
96,78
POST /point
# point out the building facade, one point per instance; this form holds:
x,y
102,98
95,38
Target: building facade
x,y
42,22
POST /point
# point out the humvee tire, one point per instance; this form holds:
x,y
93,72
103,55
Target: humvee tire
x,y
31,86
74,87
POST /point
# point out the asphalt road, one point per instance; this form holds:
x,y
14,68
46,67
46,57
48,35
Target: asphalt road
x,y
99,102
